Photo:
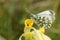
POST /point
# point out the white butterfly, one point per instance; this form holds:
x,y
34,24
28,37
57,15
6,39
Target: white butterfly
x,y
48,16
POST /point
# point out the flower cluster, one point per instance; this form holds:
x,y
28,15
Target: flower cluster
x,y
35,34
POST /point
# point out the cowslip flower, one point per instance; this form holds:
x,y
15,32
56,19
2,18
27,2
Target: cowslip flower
x,y
35,34
42,30
28,34
39,35
28,23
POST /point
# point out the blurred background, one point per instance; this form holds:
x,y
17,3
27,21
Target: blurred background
x,y
14,12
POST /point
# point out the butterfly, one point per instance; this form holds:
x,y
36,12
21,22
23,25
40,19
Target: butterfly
x,y
44,19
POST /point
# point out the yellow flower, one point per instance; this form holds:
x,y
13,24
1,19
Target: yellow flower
x,y
28,34
42,30
28,23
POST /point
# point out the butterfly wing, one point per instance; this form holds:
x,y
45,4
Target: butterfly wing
x,y
44,19
47,14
